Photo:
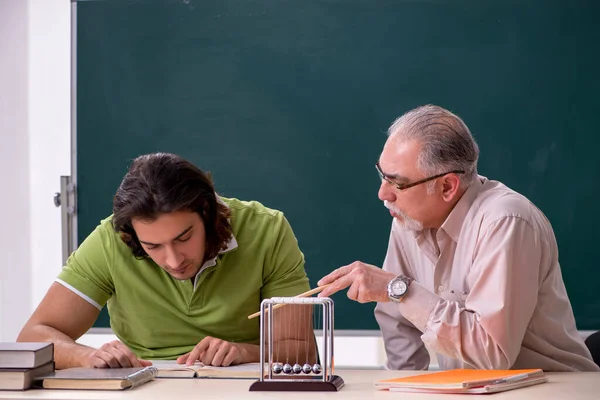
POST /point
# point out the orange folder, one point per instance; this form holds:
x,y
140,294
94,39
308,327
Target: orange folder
x,y
463,379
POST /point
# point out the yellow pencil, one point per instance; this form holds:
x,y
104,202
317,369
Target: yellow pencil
x,y
305,294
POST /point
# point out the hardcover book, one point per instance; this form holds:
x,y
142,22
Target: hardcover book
x,y
22,378
99,378
25,354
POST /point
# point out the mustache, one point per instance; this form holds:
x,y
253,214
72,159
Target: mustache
x,y
407,223
392,208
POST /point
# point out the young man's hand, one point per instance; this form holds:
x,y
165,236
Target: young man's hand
x,y
114,355
215,352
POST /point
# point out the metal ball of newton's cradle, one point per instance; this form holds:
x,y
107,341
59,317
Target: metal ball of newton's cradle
x,y
287,369
297,368
277,368
316,369
307,368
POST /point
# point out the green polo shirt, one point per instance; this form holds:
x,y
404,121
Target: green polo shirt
x,y
159,317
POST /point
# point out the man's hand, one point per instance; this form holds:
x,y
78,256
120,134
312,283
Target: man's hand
x,y
367,282
215,352
114,355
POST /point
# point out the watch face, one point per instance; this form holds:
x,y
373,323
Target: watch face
x,y
399,287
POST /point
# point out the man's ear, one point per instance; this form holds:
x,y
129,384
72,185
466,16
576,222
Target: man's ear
x,y
450,187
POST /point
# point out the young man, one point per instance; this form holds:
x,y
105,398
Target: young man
x,y
180,269
472,267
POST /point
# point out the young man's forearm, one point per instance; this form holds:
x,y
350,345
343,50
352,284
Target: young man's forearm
x,y
67,353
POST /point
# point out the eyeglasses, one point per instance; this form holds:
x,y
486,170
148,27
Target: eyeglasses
x,y
384,177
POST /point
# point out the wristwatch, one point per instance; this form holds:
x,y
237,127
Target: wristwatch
x,y
398,287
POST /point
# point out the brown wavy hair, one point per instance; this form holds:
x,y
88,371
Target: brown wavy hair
x,y
162,183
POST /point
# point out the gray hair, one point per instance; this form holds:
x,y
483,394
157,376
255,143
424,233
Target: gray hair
x,y
447,143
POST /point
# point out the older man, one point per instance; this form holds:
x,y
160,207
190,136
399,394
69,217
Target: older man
x,y
472,266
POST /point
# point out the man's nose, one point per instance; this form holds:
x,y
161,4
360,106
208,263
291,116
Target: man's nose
x,y
173,259
385,192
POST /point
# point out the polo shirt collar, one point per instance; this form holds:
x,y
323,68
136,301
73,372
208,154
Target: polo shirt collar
x,y
231,245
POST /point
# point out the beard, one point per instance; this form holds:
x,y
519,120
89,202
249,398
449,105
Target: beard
x,y
405,221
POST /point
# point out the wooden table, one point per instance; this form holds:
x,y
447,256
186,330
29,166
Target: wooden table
x,y
359,385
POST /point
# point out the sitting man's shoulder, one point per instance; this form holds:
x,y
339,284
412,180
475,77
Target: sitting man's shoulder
x,y
252,208
496,201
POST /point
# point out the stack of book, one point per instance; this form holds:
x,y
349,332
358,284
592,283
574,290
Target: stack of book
x,y
22,363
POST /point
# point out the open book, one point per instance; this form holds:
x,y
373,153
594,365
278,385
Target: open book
x,y
98,378
465,381
170,369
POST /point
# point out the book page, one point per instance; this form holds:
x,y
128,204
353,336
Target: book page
x,y
170,369
240,371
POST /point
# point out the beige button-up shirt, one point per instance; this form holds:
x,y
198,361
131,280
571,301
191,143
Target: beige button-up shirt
x,y
488,291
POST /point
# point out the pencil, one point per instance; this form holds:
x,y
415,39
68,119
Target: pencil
x,y
305,294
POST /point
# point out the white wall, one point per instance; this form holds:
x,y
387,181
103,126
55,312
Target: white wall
x,y
15,232
49,119
34,150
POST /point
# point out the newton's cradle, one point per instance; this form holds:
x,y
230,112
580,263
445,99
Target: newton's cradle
x,y
289,373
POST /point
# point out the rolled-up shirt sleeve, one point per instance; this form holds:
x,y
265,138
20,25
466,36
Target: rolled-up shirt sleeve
x,y
487,331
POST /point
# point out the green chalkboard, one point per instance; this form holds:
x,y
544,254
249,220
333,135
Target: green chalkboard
x,y
287,103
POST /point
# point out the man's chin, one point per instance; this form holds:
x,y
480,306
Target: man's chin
x,y
182,277
409,224
185,274
404,221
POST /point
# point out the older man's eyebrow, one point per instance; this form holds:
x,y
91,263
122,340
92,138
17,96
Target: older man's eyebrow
x,y
395,177
175,238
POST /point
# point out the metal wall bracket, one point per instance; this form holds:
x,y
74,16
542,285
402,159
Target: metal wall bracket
x,y
66,200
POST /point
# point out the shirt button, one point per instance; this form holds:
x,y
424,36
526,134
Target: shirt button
x,y
440,289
